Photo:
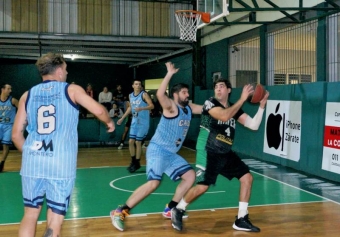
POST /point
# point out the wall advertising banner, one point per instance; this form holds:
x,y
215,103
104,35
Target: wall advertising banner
x,y
331,144
283,129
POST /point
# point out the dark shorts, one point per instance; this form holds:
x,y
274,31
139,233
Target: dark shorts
x,y
229,165
128,122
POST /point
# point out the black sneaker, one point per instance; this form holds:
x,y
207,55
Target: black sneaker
x,y
244,224
131,164
176,218
2,163
135,166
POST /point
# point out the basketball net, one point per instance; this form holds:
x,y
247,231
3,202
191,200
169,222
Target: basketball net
x,y
188,21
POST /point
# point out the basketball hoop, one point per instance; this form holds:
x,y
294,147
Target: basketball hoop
x,y
188,21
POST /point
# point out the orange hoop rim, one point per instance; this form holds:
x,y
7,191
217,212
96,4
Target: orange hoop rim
x,y
205,16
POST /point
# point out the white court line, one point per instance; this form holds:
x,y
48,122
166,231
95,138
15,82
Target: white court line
x,y
131,191
188,148
295,187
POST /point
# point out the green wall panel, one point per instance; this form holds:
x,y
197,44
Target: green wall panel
x,y
217,55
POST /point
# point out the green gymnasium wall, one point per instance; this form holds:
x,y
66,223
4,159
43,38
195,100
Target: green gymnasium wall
x,y
313,97
216,61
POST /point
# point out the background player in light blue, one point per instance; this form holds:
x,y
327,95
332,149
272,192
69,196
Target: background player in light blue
x,y
139,106
8,109
161,154
49,111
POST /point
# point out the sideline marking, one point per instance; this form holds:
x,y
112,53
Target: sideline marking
x,y
292,186
129,191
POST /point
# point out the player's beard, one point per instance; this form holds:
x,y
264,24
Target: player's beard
x,y
183,103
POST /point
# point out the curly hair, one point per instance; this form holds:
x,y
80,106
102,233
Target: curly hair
x,y
49,62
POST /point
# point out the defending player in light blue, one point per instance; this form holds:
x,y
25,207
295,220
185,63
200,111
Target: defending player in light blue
x,y
139,106
140,118
8,109
161,154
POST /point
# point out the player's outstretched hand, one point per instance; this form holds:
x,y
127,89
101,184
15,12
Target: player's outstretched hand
x,y
119,122
171,68
111,126
264,100
246,92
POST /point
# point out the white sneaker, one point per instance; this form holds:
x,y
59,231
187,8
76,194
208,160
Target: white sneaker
x,y
120,146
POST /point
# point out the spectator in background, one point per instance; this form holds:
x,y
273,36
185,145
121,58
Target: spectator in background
x,y
105,98
89,90
119,98
115,112
156,111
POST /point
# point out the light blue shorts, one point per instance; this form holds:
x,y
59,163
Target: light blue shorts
x,y
138,132
159,161
57,192
6,133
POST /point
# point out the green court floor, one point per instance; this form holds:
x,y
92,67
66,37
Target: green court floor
x,y
99,190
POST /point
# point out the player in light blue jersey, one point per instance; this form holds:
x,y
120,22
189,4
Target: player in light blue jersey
x,y
49,112
8,109
161,154
139,106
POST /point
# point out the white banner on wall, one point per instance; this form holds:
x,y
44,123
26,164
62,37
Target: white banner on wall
x,y
331,144
283,129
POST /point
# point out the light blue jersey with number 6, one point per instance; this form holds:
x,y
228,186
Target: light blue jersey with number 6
x,y
51,147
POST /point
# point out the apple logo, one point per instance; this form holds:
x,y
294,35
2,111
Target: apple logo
x,y
273,129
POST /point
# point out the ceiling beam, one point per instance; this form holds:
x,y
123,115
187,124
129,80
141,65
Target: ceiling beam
x,y
161,57
328,8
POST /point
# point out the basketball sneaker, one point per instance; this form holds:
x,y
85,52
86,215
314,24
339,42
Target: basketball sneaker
x,y
243,223
176,218
120,146
131,164
167,213
135,166
118,217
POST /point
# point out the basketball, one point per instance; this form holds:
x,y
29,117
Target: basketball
x,y
258,94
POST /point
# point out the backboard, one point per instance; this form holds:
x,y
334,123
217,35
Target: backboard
x,y
216,8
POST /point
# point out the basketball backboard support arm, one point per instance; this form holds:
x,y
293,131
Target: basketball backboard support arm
x,y
326,7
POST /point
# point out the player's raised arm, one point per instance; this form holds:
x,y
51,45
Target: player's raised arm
x,y
224,114
196,109
163,99
253,123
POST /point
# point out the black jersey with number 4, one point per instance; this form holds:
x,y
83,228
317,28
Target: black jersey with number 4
x,y
221,134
